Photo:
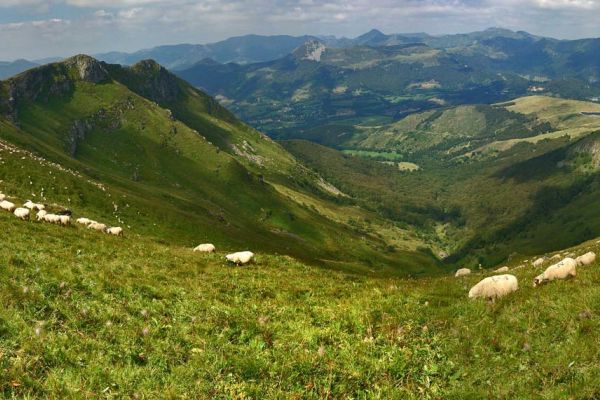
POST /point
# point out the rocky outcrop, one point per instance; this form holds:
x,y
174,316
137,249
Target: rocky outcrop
x,y
154,82
88,69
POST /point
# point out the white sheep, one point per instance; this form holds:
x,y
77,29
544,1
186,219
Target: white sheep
x,y
502,269
52,218
240,258
84,221
586,259
22,213
494,287
539,262
7,205
29,204
64,219
97,226
556,257
41,214
2,196
205,248
462,272
115,230
561,270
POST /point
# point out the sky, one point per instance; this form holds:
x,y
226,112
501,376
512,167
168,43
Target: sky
x,y
36,29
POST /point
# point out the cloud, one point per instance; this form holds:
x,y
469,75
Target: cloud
x,y
101,25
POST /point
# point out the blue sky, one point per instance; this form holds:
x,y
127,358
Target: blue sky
x,y
45,28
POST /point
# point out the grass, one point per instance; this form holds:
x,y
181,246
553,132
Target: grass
x,y
87,315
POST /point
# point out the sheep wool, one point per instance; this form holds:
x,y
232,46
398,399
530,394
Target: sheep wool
x,y
462,272
7,205
2,196
29,204
22,213
52,218
115,230
205,248
586,259
561,270
494,287
41,214
502,269
64,219
539,262
97,226
84,221
240,258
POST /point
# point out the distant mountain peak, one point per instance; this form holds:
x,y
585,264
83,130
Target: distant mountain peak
x,y
311,50
372,36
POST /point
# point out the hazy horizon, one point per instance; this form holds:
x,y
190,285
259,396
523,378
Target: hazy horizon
x,y
37,29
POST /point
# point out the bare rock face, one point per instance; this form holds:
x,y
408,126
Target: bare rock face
x,y
88,68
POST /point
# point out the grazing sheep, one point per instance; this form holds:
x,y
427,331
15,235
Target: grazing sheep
x,y
494,287
115,230
539,262
41,214
7,205
2,196
52,218
22,213
556,257
97,226
64,219
39,206
84,221
205,248
561,270
586,259
502,269
29,204
240,258
462,272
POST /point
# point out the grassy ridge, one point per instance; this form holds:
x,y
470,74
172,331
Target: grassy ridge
x,y
84,314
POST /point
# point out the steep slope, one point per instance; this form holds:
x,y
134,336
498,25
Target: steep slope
x,y
190,172
86,314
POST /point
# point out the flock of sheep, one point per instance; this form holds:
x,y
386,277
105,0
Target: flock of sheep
x,y
61,218
239,258
497,286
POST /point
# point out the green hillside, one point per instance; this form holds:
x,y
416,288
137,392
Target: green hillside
x,y
179,167
487,181
83,314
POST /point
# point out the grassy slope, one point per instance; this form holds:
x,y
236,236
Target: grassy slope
x,y
189,190
84,315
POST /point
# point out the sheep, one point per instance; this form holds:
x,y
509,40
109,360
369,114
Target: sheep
x,y
39,206
205,248
7,205
494,287
22,213
502,269
539,262
84,221
64,219
240,258
97,226
52,218
586,259
462,272
115,230
2,196
29,204
561,270
556,257
41,214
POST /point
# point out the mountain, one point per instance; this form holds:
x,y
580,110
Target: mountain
x,y
482,182
14,67
240,49
167,159
392,77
